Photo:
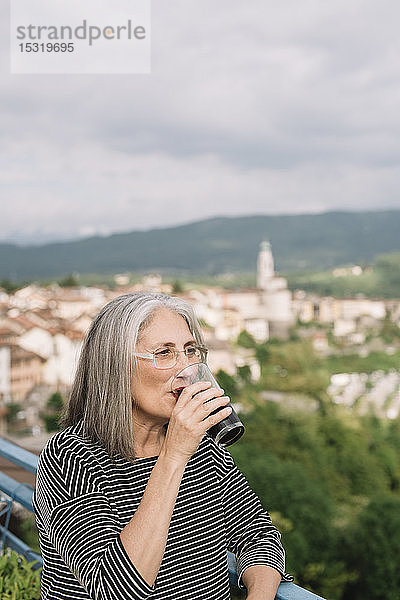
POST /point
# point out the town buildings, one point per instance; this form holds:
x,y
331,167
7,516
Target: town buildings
x,y
42,328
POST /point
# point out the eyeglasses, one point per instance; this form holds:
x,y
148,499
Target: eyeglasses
x,y
166,358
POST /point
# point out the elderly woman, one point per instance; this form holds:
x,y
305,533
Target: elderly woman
x,y
133,500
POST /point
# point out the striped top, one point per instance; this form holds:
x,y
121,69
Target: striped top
x,y
83,500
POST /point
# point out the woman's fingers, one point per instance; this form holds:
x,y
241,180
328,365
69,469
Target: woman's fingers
x,y
193,415
191,390
206,408
197,406
215,418
215,411
201,406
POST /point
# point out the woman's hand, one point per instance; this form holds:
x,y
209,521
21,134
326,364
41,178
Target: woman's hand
x,y
192,417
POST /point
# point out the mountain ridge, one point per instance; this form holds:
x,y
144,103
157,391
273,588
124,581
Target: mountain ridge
x,y
215,245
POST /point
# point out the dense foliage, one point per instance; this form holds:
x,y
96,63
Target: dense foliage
x,y
321,477
18,580
51,416
329,477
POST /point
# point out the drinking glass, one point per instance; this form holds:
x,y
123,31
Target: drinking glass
x,y
227,431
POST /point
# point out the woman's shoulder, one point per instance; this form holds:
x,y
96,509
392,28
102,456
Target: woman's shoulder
x,y
71,462
70,441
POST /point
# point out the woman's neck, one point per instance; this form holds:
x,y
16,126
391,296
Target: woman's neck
x,y
148,439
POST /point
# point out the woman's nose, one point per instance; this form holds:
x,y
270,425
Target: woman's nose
x,y
183,360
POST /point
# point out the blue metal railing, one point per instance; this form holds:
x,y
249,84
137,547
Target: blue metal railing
x,y
22,493
13,491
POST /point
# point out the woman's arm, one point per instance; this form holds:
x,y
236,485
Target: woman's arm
x,y
145,536
261,582
251,535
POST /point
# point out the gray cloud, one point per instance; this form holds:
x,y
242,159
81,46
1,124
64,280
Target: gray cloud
x,y
257,107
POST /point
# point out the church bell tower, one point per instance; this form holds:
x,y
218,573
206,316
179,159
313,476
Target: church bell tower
x,y
265,266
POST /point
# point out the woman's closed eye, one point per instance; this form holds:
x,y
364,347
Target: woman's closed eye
x,y
164,353
191,351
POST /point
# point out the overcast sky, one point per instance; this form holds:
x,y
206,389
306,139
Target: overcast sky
x,y
251,107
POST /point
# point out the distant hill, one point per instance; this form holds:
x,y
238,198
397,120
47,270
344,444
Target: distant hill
x,y
215,246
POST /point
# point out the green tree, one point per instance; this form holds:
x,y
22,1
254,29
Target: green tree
x,y
69,281
9,286
51,416
51,423
373,548
228,384
55,402
177,287
387,268
244,374
304,511
390,331
246,340
347,448
12,410
262,355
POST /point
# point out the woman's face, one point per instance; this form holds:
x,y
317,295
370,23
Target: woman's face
x,y
151,387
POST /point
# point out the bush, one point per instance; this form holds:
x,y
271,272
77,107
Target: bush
x,y
51,417
12,410
246,340
373,547
18,580
228,384
27,531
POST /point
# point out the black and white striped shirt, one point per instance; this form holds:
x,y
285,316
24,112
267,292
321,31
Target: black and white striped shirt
x,y
83,500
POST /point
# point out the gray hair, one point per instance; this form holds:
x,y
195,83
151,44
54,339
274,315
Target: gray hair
x,y
101,394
